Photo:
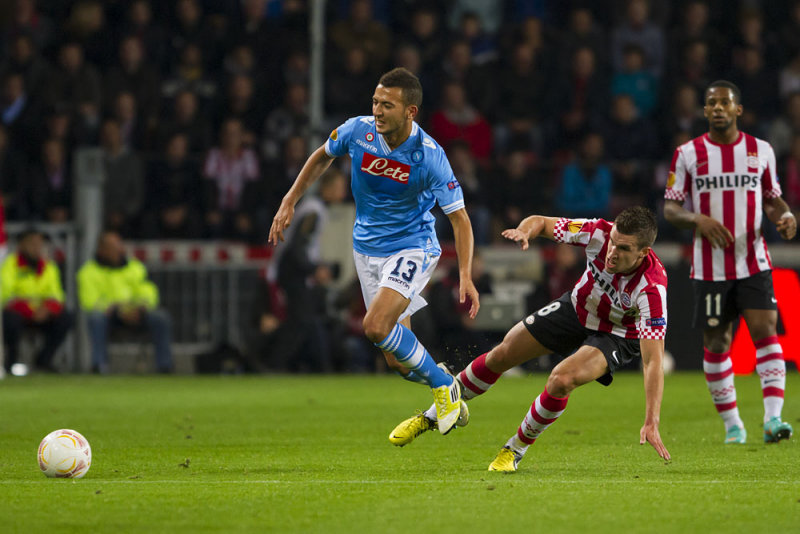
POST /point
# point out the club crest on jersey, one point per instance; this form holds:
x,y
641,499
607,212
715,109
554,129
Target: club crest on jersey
x,y
394,170
335,134
625,299
752,161
416,156
369,137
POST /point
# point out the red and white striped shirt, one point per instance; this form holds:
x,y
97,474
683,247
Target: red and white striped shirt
x,y
630,305
727,183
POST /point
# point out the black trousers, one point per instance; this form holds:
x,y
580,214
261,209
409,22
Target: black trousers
x,y
55,329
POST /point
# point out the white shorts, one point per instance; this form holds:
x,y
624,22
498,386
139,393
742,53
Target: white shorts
x,y
407,272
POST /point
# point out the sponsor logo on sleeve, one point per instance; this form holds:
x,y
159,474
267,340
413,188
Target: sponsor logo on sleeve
x,y
656,321
453,185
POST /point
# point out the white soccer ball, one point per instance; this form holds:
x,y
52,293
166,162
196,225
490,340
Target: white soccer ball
x,y
64,454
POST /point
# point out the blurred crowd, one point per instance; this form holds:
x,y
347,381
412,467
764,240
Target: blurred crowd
x,y
201,106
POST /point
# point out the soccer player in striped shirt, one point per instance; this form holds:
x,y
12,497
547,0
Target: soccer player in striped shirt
x,y
731,179
616,312
398,174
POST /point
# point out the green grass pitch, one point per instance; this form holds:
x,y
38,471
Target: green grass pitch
x,y
310,454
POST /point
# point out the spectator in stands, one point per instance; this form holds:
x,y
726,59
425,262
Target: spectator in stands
x,y
50,188
685,115
790,32
638,29
521,91
33,298
241,61
694,27
133,130
297,268
476,186
789,78
27,19
136,76
425,33
586,182
291,118
18,113
457,119
242,103
583,32
636,81
114,291
87,25
266,318
76,83
186,119
173,210
518,190
152,37
759,88
478,80
361,29
750,34
232,171
190,75
490,13
23,58
789,167
13,177
455,334
628,135
350,88
579,99
784,127
483,46
124,187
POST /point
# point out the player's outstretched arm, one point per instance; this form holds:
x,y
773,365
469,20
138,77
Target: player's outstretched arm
x,y
652,361
711,229
530,228
317,163
465,245
778,212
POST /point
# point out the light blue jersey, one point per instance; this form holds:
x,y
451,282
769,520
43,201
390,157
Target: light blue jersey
x,y
395,189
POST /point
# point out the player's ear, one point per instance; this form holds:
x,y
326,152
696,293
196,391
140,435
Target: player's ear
x,y
411,112
739,110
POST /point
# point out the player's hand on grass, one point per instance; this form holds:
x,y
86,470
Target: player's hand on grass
x,y
787,227
467,290
714,231
649,434
281,222
518,236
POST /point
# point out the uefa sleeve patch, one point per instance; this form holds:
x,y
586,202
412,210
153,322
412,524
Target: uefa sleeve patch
x,y
656,321
334,135
453,185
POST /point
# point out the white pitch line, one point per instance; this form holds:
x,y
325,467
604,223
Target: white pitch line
x,y
395,482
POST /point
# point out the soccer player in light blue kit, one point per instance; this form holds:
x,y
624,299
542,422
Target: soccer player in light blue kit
x,y
398,173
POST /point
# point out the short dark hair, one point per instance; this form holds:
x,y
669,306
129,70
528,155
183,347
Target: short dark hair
x,y
737,94
404,79
640,222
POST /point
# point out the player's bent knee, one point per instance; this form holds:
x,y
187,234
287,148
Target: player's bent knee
x,y
376,331
560,384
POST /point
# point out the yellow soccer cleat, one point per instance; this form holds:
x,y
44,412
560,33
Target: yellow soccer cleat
x,y
448,406
408,430
506,461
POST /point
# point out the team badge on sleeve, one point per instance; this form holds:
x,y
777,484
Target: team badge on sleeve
x,y
656,321
334,134
575,226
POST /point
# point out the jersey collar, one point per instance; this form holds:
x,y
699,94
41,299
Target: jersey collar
x,y
385,146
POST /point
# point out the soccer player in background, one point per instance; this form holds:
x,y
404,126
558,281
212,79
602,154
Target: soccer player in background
x,y
616,312
398,174
730,177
